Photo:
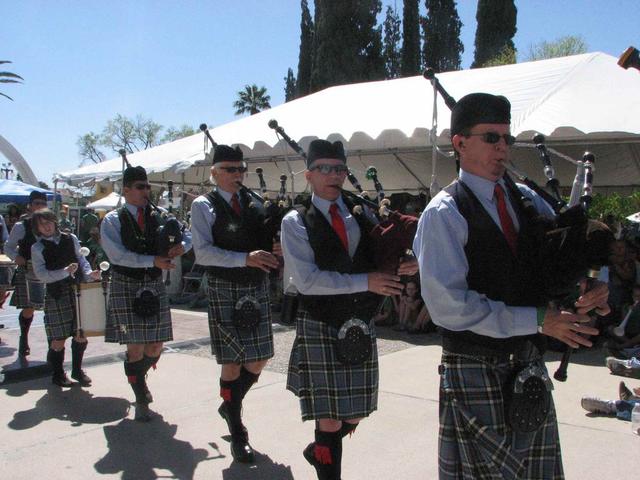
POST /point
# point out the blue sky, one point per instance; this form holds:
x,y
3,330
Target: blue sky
x,y
180,62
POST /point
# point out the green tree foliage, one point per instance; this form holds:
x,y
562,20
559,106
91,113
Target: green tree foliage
x,y
496,28
391,43
507,56
614,206
410,39
305,58
347,44
561,47
88,148
441,30
289,86
8,77
174,133
42,184
252,99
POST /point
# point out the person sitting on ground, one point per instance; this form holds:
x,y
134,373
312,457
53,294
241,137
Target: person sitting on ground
x,y
628,368
423,322
410,305
620,408
387,314
631,335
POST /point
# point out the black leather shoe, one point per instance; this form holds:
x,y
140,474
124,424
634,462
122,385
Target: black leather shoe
x,y
241,450
81,377
61,380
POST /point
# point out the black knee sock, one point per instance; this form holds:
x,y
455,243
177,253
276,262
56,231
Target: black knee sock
x,y
232,394
347,429
56,361
327,451
247,380
77,353
135,372
150,362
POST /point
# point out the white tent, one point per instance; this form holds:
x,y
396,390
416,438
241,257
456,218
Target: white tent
x,y
108,203
582,102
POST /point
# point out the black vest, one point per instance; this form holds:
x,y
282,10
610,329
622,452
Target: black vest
x,y
493,268
25,243
329,254
135,240
239,233
56,257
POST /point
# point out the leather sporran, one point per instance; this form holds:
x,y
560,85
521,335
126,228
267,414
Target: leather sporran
x,y
530,401
246,313
146,303
353,346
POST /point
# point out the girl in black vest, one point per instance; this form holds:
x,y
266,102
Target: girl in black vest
x,y
56,260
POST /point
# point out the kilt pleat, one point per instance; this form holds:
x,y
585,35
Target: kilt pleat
x,y
236,345
123,325
327,388
60,314
19,297
475,440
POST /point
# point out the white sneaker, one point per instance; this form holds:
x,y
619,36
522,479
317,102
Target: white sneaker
x,y
595,405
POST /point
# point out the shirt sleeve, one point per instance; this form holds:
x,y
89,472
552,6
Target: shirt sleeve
x,y
203,217
111,242
40,269
439,247
5,233
299,260
11,245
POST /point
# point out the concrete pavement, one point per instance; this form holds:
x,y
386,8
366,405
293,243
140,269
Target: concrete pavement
x,y
89,433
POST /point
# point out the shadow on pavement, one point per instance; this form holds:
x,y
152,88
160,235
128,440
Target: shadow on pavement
x,y
263,469
73,405
136,449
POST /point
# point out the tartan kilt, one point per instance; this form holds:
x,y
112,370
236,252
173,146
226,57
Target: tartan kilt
x,y
228,343
60,314
475,440
123,325
19,298
327,388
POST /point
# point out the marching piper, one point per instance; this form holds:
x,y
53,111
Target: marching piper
x,y
230,239
57,262
474,247
333,367
138,312
18,249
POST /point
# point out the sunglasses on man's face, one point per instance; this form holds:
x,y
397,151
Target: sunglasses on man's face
x,y
142,186
493,137
39,203
234,169
327,169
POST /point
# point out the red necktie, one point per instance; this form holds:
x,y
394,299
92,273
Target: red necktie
x,y
235,204
338,225
141,218
505,219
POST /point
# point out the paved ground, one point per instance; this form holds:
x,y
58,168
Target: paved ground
x,y
89,433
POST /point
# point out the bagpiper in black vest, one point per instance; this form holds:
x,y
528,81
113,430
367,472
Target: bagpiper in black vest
x,y
329,254
494,270
25,243
56,257
135,240
244,233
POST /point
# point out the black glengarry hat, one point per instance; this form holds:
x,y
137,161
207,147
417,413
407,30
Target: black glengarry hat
x,y
134,174
478,108
224,153
35,195
325,149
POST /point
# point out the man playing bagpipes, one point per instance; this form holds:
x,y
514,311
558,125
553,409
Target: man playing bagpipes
x,y
138,312
475,249
231,239
333,367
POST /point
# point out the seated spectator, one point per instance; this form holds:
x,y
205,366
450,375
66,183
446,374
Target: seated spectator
x,y
423,322
631,335
620,408
387,314
409,307
628,368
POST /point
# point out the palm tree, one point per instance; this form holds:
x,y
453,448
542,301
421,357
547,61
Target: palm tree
x,y
8,77
252,100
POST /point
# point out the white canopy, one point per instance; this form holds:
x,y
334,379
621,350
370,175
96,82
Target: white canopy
x,y
108,203
582,102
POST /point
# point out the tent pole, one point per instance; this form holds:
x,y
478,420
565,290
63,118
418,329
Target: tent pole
x,y
56,208
182,197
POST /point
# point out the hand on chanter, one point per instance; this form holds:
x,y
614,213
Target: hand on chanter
x,y
263,260
596,298
176,251
568,327
163,263
408,267
385,284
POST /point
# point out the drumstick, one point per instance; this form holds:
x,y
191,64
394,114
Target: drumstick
x,y
84,251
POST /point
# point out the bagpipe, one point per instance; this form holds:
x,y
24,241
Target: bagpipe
x,y
392,233
274,212
570,246
170,232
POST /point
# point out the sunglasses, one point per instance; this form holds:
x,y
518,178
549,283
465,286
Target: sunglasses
x,y
142,186
493,137
327,169
234,169
39,203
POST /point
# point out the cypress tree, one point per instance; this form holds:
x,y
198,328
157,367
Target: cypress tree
x,y
289,86
391,43
441,28
305,58
410,39
347,45
496,28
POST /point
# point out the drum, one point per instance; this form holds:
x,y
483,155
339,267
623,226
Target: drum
x,y
6,272
93,311
35,288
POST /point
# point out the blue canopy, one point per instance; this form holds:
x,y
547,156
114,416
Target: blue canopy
x,y
12,191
